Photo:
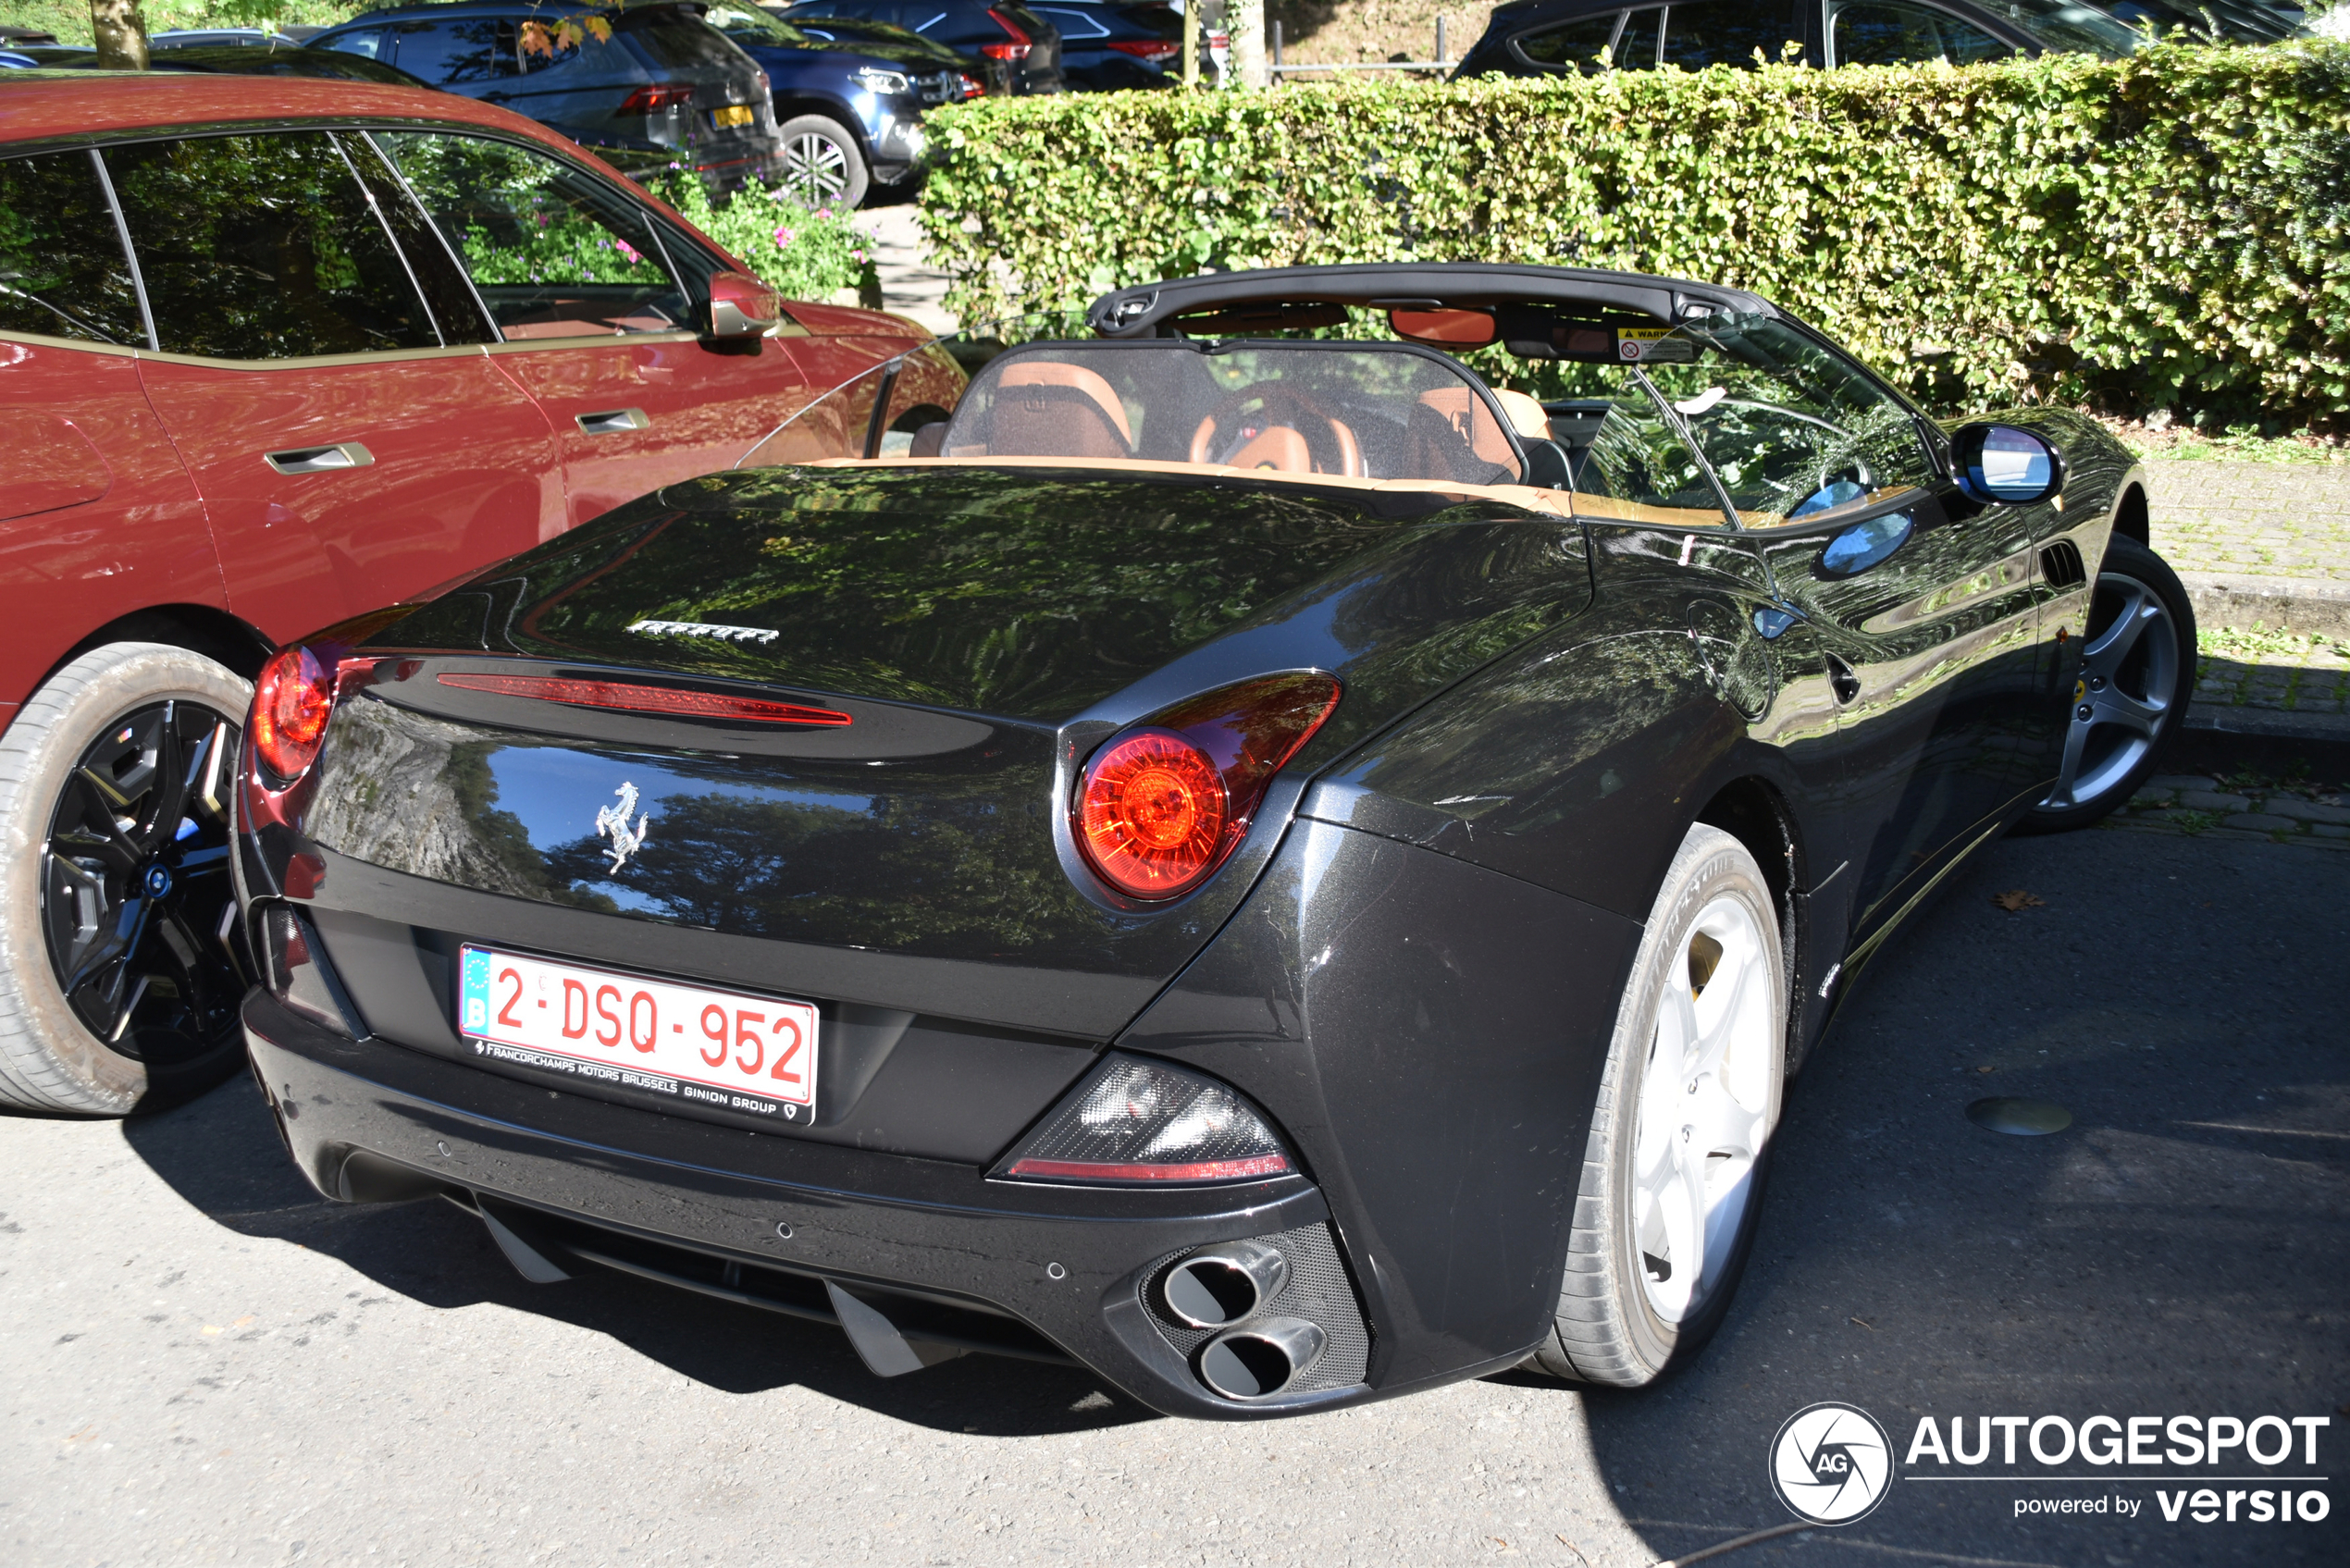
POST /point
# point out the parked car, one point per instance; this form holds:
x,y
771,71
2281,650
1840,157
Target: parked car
x,y
374,336
1107,47
985,75
1535,37
850,111
1023,43
238,60
293,35
664,87
1258,863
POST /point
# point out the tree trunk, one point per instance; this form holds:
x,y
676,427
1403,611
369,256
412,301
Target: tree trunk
x,y
121,34
1245,21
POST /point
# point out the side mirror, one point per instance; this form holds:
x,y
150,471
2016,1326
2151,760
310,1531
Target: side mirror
x,y
741,306
2001,464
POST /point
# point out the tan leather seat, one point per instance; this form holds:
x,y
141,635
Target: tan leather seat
x,y
1043,408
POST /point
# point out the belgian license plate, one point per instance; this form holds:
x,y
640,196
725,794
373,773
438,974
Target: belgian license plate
x,y
723,1048
733,114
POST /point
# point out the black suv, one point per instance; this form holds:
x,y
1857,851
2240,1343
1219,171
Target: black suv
x,y
665,85
1006,33
1537,37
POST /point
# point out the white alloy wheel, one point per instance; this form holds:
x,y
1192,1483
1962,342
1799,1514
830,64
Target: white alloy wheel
x,y
1707,1095
1680,1134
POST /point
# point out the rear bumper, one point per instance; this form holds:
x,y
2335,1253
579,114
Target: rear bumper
x,y
951,1259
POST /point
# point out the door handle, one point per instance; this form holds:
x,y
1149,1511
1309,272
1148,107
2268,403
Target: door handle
x,y
613,421
320,460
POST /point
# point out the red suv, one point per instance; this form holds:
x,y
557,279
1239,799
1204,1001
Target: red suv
x,y
274,352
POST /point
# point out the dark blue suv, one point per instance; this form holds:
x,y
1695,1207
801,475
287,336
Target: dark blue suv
x,y
664,85
850,107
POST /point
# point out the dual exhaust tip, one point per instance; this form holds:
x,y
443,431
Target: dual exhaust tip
x,y
1226,1287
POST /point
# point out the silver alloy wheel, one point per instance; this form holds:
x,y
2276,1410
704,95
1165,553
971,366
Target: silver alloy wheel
x,y
815,169
1706,1105
2128,685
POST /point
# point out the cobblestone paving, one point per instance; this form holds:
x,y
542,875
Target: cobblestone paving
x,y
2252,519
2301,675
2300,811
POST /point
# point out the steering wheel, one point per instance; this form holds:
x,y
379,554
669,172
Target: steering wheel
x,y
1288,431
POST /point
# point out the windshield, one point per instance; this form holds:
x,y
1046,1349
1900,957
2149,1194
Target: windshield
x,y
1377,411
755,27
1739,414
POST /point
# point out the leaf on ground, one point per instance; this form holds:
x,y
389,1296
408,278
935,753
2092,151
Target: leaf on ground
x,y
2019,899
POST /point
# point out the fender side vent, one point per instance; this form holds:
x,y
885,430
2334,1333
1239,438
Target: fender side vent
x,y
2061,564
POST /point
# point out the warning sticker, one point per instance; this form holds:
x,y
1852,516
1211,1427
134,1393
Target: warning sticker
x,y
1653,345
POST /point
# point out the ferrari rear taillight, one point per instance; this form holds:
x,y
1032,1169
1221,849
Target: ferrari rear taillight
x,y
291,702
1134,1121
1156,51
1020,42
1162,805
630,697
655,99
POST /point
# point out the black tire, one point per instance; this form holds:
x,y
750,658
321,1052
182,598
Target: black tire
x,y
93,831
1616,1324
823,165
2110,743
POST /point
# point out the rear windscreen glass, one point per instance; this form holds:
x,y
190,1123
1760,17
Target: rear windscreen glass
x,y
669,38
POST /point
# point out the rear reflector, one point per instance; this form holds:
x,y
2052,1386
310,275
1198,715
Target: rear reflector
x,y
631,698
1205,1170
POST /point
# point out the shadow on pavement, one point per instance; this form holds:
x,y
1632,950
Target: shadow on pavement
x,y
2176,1251
222,1155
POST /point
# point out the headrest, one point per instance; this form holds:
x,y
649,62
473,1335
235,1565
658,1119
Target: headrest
x,y
1051,373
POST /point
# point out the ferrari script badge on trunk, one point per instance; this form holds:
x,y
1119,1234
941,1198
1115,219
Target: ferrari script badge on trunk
x,y
612,820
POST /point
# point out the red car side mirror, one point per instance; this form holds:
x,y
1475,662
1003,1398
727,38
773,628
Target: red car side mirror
x,y
741,306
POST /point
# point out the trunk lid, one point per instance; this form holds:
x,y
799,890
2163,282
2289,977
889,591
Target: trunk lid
x,y
982,630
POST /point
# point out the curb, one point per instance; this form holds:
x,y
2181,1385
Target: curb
x,y
2281,604
2221,739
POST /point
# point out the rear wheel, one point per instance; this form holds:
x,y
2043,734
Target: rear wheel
x,y
822,166
1672,1173
2137,671
120,965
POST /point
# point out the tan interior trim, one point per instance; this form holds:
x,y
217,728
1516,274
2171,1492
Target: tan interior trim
x,y
1531,497
42,340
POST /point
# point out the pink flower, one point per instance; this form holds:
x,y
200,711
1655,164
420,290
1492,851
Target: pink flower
x,y
823,212
627,249
783,237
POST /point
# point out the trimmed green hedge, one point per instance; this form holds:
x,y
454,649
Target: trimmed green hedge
x,y
2163,231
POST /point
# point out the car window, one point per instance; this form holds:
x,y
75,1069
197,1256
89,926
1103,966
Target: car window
x,y
366,41
1574,45
1636,45
448,54
2070,25
63,272
1894,32
1073,24
554,252
263,247
676,39
1727,32
1794,431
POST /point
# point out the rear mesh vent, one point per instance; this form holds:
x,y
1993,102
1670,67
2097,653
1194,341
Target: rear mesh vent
x,y
1319,1290
2061,564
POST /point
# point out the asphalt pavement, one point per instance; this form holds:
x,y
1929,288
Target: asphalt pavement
x,y
203,1363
